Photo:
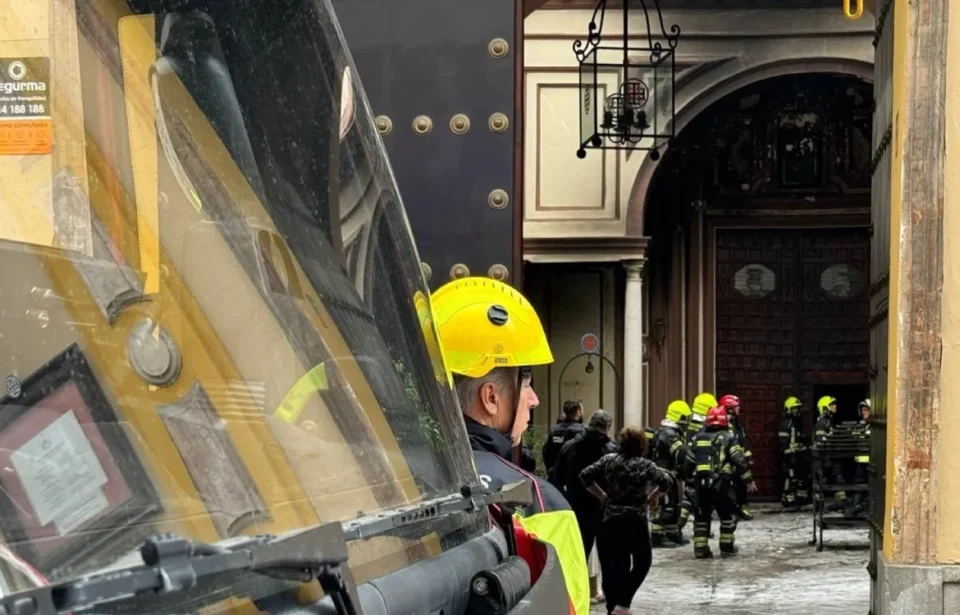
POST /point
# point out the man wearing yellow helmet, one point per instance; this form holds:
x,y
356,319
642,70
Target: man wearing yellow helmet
x,y
491,336
827,409
701,405
670,453
793,453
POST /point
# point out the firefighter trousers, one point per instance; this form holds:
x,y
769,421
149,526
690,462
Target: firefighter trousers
x,y
688,506
666,523
721,498
795,469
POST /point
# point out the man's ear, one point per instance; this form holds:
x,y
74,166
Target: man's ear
x,y
489,398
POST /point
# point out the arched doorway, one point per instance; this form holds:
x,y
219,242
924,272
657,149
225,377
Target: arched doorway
x,y
759,219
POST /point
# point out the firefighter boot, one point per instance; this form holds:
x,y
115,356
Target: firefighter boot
x,y
745,513
677,539
701,543
727,529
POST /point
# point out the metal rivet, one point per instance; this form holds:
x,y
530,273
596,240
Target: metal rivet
x,y
427,271
459,271
422,124
498,199
499,272
384,125
459,124
498,122
498,48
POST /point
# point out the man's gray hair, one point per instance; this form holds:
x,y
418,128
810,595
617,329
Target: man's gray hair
x,y
600,421
505,379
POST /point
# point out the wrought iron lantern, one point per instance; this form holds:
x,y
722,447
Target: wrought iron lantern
x,y
640,69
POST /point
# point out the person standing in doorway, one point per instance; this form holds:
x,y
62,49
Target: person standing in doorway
x,y
794,455
625,482
567,428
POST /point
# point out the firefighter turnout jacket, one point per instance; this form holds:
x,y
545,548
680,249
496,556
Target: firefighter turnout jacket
x,y
669,446
715,456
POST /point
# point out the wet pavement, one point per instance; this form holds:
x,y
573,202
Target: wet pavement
x,y
775,572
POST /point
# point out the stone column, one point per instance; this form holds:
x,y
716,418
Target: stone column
x,y
634,408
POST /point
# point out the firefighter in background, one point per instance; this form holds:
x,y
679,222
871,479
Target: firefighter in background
x,y
701,405
794,456
490,336
714,461
568,427
827,409
731,404
670,443
861,476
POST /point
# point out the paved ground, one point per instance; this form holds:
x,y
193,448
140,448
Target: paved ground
x,y
776,572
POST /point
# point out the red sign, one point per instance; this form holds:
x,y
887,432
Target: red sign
x,y
589,342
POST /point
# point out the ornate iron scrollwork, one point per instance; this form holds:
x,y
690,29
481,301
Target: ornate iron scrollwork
x,y
640,114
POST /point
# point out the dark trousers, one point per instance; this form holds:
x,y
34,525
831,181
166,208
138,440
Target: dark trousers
x,y
723,499
688,506
589,519
667,521
795,470
625,558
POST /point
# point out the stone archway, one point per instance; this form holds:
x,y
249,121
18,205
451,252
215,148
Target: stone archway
x,y
700,94
745,288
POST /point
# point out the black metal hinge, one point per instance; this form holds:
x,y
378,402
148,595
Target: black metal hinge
x,y
882,147
881,21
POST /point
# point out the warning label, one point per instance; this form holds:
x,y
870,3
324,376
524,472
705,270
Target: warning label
x,y
25,126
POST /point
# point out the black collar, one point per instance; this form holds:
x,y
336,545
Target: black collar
x,y
483,438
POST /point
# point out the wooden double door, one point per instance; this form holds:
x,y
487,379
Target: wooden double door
x,y
792,312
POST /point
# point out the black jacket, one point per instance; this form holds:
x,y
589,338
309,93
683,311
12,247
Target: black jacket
x,y
491,452
560,434
576,455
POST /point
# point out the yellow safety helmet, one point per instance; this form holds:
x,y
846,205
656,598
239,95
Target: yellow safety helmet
x,y
484,324
823,404
703,402
678,411
792,404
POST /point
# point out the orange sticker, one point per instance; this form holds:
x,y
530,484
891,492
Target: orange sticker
x,y
27,137
25,126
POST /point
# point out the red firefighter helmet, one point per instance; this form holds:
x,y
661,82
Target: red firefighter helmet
x,y
717,416
729,401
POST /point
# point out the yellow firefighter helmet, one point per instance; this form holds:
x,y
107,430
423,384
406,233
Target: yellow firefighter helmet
x,y
703,402
485,324
678,411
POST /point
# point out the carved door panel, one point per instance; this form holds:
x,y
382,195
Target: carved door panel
x,y
834,315
792,313
756,306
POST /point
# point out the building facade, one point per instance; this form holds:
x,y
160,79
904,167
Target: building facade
x,y
739,261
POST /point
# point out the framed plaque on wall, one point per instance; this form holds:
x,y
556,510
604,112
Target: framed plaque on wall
x,y
72,480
